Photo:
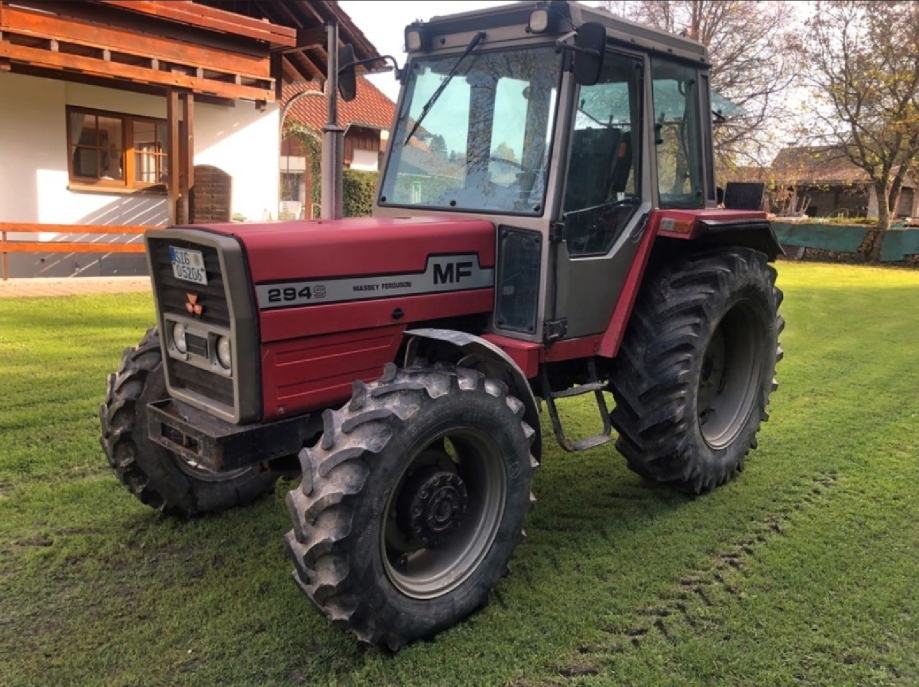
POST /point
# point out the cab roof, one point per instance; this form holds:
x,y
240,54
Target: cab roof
x,y
570,15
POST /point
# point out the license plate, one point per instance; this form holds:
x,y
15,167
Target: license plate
x,y
188,265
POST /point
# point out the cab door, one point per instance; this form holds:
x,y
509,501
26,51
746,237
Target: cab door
x,y
606,199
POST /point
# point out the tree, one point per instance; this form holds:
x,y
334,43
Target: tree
x,y
747,44
438,145
863,67
504,152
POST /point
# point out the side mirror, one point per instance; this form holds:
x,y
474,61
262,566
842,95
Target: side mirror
x,y
347,77
589,51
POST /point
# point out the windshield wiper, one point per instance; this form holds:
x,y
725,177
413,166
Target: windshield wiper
x,y
476,39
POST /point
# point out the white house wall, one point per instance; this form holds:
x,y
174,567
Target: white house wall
x,y
240,140
244,143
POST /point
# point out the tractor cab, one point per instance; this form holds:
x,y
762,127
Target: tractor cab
x,y
564,126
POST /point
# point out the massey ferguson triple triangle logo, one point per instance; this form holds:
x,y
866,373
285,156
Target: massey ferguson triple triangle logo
x,y
192,305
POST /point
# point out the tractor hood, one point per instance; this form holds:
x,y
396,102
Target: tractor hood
x,y
321,277
352,247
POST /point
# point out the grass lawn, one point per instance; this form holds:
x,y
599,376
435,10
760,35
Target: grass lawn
x,y
805,570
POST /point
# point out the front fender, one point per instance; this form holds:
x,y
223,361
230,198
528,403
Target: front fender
x,y
491,360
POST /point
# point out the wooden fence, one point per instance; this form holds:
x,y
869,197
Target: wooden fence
x,y
77,246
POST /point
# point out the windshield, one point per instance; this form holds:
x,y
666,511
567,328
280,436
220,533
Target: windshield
x,y
484,143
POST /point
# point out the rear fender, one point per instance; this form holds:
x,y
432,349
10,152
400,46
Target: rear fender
x,y
750,233
485,356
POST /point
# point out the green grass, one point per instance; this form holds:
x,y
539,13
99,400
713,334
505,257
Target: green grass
x,y
804,570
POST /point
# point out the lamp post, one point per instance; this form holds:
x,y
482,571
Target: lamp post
x,y
331,167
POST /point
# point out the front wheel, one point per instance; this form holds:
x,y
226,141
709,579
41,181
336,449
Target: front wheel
x,y
412,502
159,478
696,368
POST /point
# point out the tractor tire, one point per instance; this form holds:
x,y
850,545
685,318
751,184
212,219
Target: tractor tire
x,y
156,476
394,537
696,368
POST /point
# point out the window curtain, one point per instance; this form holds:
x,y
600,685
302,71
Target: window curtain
x,y
77,120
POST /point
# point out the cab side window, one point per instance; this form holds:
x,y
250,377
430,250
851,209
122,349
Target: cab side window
x,y
678,134
602,190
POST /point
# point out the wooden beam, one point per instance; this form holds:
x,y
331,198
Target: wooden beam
x,y
315,35
73,228
289,71
39,57
211,19
4,67
188,150
172,154
72,30
68,247
305,65
121,85
277,73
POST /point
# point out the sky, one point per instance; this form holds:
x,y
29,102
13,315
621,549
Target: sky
x,y
384,24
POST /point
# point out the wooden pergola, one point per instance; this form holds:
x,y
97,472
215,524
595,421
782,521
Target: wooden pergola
x,y
217,51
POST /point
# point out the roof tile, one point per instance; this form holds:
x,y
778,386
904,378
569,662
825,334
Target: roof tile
x,y
371,108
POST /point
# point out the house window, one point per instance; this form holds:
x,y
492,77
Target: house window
x,y
115,150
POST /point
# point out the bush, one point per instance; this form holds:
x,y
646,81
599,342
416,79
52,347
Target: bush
x,y
358,191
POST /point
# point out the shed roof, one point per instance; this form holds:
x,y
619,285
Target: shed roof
x,y
821,164
827,165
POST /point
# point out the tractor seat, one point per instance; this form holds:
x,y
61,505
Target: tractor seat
x,y
597,162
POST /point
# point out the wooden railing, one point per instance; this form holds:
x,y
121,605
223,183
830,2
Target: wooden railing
x,y
79,246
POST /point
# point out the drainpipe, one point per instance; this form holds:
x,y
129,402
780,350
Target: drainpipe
x,y
332,136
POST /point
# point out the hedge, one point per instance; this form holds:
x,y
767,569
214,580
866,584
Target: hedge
x,y
358,189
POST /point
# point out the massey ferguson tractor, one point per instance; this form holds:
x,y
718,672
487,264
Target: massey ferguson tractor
x,y
546,226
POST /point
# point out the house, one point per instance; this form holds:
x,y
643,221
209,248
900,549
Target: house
x,y
366,121
124,115
820,181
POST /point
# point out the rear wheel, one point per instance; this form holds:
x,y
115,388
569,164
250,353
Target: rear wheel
x,y
154,475
696,368
412,502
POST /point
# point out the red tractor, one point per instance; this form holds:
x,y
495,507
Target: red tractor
x,y
547,225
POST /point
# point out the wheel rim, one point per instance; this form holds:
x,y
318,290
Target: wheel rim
x,y
441,519
729,375
204,474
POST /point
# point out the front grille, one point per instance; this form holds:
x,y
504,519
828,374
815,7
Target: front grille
x,y
197,345
172,293
207,384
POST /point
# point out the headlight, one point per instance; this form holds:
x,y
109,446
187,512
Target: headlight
x,y
414,40
178,337
539,21
223,352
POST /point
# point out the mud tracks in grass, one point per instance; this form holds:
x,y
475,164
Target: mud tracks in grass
x,y
691,604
